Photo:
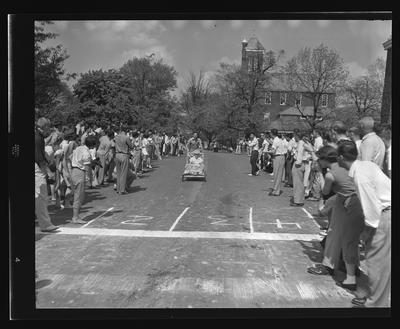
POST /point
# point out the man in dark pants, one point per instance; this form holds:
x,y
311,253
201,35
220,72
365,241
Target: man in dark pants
x,y
253,144
124,176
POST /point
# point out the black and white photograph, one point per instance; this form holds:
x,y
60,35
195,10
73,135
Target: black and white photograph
x,y
210,164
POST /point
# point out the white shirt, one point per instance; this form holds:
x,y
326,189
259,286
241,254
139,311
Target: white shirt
x,y
81,157
265,145
278,146
373,149
389,157
292,147
373,189
254,144
318,143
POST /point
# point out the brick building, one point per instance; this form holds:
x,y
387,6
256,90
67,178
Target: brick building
x,y
386,110
280,101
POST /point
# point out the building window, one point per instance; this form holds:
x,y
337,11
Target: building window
x,y
298,99
268,98
283,98
324,100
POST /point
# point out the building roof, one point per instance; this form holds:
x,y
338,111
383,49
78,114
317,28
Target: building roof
x,y
254,44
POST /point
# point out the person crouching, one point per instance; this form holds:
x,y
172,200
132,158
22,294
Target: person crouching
x,y
81,162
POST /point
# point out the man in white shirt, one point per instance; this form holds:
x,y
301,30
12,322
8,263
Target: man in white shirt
x,y
80,163
253,146
316,177
373,188
278,151
372,147
302,158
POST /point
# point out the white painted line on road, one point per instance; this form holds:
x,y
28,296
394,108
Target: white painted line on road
x,y
187,234
310,216
178,219
251,220
97,217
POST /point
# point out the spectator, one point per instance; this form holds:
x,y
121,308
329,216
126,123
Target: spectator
x,y
278,151
373,188
301,158
346,222
103,152
122,147
355,136
81,161
253,145
292,145
41,172
372,147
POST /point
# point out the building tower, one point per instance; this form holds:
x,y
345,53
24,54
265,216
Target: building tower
x,y
386,110
252,55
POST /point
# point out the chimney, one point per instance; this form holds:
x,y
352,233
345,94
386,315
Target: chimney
x,y
244,57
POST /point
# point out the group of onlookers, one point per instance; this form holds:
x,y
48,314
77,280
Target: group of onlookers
x,y
347,170
70,159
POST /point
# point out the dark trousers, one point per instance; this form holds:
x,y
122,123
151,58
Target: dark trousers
x,y
288,169
253,162
122,163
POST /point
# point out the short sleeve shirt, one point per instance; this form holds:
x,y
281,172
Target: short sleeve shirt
x,y
81,157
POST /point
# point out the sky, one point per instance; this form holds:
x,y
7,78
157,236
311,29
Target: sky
x,y
195,45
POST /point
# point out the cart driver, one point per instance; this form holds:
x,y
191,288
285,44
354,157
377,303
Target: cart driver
x,y
194,143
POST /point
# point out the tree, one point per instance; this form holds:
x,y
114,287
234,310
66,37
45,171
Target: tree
x,y
315,72
49,69
147,83
198,107
242,94
365,92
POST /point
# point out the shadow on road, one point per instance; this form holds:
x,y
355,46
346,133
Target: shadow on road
x,y
313,250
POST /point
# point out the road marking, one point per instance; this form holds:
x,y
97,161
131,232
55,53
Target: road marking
x,y
179,217
219,220
279,224
251,220
187,234
311,216
98,217
136,219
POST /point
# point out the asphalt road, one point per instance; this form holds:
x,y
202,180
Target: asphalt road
x,y
170,244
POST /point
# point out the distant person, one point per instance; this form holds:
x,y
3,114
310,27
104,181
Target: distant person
x,y
122,146
253,146
278,152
